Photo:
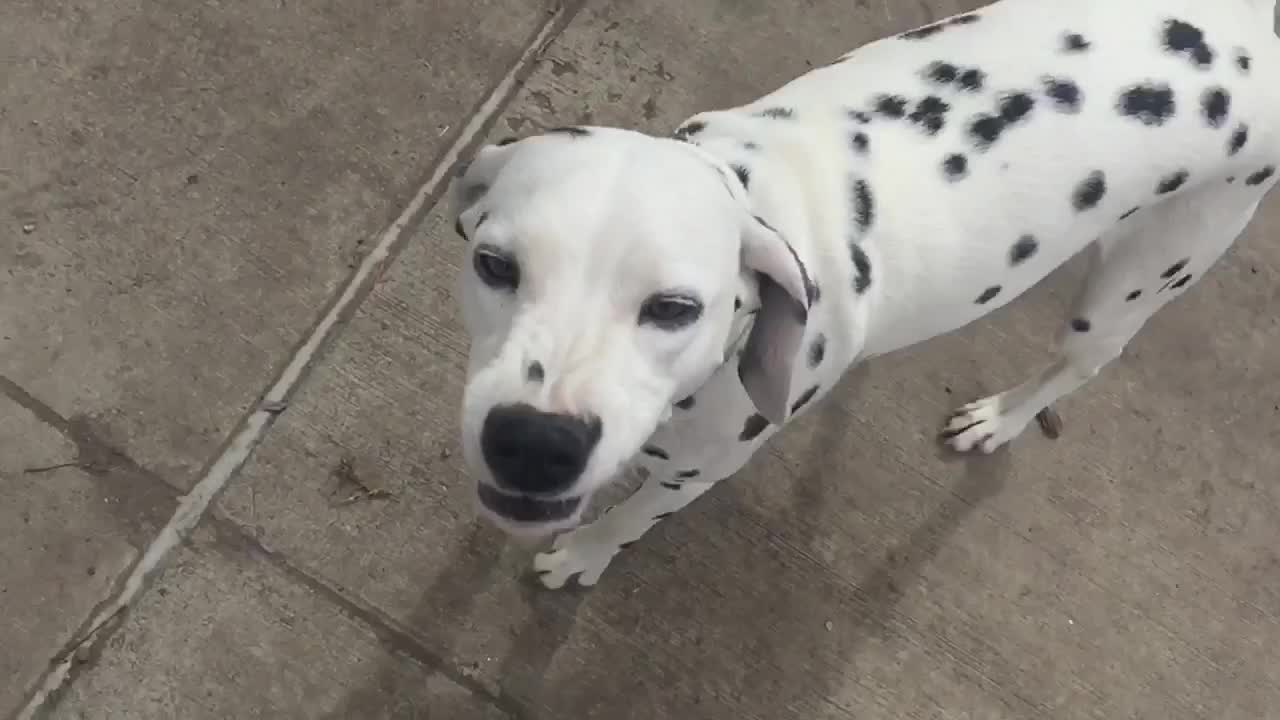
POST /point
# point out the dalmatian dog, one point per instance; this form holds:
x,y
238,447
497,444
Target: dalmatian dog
x,y
663,305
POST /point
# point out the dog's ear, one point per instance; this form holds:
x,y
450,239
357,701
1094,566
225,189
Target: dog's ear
x,y
473,180
786,292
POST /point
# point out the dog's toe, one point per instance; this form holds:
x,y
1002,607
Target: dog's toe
x,y
573,557
981,426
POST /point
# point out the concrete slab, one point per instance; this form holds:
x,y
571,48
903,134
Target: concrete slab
x,y
227,634
71,521
183,188
853,570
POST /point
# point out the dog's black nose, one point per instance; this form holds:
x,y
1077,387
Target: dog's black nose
x,y
536,452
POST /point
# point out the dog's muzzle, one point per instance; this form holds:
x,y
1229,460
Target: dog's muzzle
x,y
535,457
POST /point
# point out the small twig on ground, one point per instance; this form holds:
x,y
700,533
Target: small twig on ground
x,y
51,468
346,474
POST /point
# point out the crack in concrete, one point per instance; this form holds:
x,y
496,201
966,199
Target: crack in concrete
x,y
251,430
140,498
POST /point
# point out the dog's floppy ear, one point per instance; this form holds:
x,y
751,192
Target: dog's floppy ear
x,y
473,181
786,292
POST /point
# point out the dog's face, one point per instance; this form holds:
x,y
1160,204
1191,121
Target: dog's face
x,y
598,289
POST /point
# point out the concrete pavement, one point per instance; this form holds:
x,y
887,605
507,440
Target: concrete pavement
x,y
189,190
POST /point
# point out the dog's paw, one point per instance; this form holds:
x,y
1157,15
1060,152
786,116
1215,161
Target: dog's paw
x,y
982,426
574,553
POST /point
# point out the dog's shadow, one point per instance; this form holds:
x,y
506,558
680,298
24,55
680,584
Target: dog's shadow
x,y
716,612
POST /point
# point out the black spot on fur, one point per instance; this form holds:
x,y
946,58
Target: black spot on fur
x,y
923,32
860,142
1243,61
930,114
671,485
817,350
687,403
507,141
1023,249
1182,282
972,80
804,399
859,116
536,372
932,29
690,129
686,474
988,295
744,175
1151,104
955,167
1183,38
862,268
1074,43
1015,106
777,113
1133,296
942,73
1216,103
1081,325
986,129
1231,179
864,211
1064,93
1175,268
1089,192
1172,182
1261,176
894,106
1130,213
574,132
750,146
752,428
1238,139
654,451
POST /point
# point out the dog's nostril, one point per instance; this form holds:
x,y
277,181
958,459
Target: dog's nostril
x,y
536,372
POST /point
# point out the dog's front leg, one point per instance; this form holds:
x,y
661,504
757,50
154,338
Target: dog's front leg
x,y
587,550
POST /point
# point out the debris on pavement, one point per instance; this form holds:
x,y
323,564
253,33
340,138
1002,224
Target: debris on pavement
x,y
351,488
1050,423
275,407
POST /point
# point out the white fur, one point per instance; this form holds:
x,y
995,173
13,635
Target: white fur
x,y
601,221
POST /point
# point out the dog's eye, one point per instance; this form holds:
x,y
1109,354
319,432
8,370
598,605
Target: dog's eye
x,y
670,312
496,269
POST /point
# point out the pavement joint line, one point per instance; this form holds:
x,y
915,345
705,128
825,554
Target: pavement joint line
x,y
192,506
394,635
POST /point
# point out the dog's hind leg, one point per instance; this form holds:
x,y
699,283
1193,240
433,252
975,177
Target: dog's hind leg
x,y
1148,259
587,550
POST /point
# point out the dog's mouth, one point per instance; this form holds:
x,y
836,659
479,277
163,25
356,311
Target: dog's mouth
x,y
527,509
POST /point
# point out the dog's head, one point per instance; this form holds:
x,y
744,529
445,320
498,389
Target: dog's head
x,y
598,289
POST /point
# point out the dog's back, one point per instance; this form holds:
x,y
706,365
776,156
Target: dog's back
x,y
1025,118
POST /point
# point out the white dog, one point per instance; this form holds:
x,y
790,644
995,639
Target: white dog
x,y
672,302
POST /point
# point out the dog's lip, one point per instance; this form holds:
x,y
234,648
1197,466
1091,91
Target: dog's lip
x,y
525,508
